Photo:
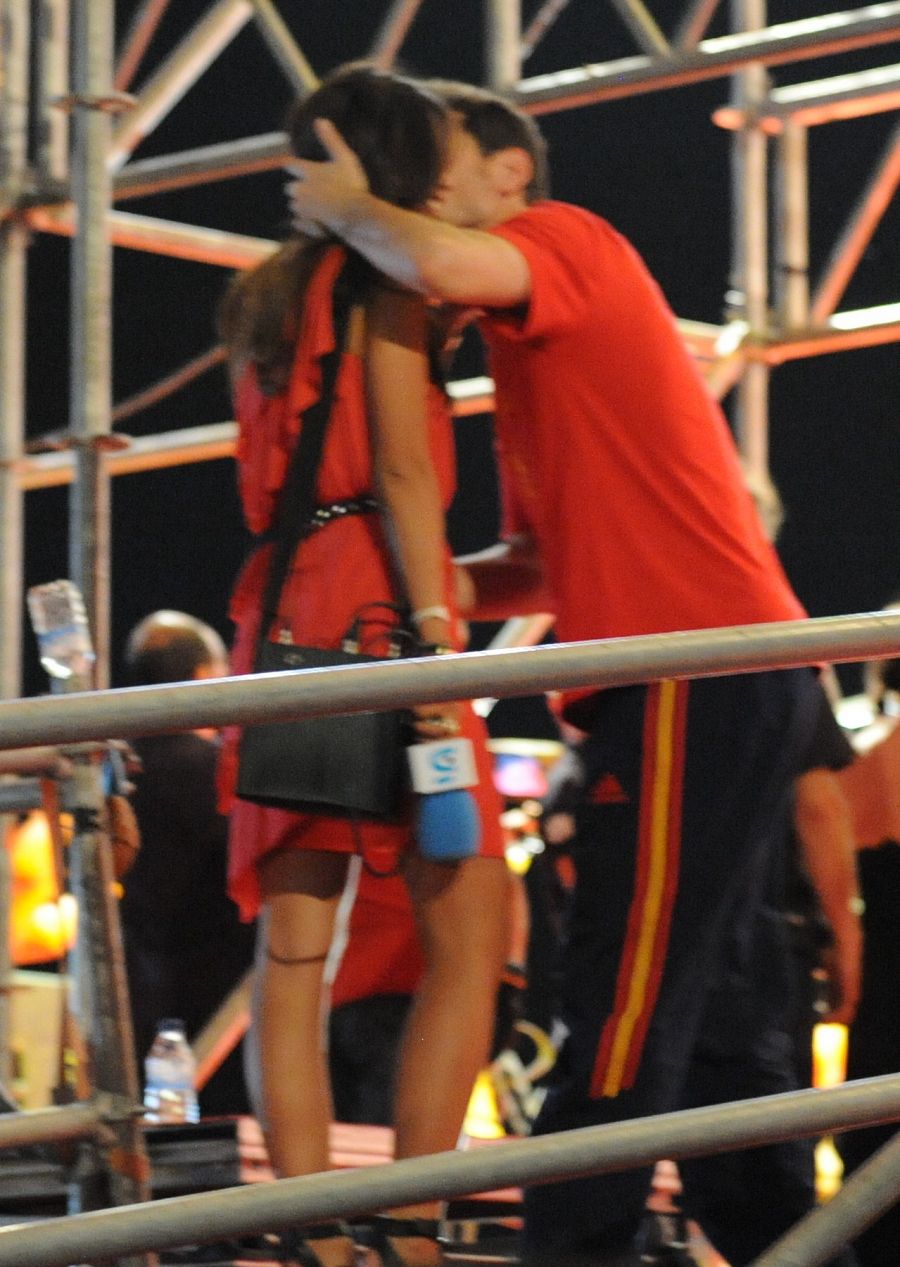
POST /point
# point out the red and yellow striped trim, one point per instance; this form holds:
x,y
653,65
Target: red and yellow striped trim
x,y
656,886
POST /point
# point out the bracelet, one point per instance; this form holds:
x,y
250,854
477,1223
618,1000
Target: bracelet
x,y
438,612
433,648
856,905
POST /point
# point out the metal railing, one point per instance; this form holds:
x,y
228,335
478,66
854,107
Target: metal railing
x,y
284,1203
219,702
132,1229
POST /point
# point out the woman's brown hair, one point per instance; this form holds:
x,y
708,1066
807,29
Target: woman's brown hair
x,y
397,129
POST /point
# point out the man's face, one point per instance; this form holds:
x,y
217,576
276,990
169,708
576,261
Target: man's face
x,y
466,194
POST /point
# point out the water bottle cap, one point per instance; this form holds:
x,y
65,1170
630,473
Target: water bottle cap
x,y
170,1024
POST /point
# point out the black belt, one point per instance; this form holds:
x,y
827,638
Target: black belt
x,y
322,515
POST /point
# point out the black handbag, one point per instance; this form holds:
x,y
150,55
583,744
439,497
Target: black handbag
x,y
350,766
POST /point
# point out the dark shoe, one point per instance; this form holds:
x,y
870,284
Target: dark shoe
x,y
385,1230
663,1240
296,1246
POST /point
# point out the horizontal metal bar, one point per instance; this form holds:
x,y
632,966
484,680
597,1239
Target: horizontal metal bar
x,y
387,684
20,797
203,165
822,101
144,453
43,761
843,335
711,59
163,237
266,1207
43,1126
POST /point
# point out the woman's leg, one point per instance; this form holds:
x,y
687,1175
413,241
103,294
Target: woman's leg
x,y
286,1069
462,918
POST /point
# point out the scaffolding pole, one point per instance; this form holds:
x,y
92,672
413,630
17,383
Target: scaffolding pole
x,y
865,1196
393,31
178,74
90,308
750,250
857,234
827,35
503,25
792,229
14,87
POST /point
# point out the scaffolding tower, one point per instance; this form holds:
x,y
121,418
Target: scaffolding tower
x,y
70,125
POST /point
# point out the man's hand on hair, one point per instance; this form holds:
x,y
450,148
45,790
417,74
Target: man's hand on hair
x,y
319,191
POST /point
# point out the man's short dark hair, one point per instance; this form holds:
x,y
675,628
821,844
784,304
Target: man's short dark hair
x,y
170,646
496,124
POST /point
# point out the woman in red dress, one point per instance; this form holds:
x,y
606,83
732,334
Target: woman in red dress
x,y
389,435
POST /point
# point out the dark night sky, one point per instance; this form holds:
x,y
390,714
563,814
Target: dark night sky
x,y
655,166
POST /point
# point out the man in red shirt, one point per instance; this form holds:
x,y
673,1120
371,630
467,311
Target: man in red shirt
x,y
626,513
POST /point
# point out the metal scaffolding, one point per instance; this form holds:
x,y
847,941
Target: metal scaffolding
x,y
67,141
42,190
132,1231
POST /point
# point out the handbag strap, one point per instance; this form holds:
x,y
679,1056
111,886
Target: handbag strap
x,y
297,499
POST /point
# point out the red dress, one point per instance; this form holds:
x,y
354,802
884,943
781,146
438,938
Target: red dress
x,y
335,572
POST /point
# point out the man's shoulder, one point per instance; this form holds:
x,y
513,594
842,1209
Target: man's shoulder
x,y
550,213
562,230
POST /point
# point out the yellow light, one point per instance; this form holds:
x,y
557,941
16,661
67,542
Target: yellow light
x,y
829,1169
829,1055
482,1116
518,857
829,1070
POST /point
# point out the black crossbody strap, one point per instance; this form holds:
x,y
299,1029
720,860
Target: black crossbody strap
x,y
298,494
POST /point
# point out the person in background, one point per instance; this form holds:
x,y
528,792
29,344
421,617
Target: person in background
x,y
626,513
185,946
388,465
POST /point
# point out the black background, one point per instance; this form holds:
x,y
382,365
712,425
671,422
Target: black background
x,y
654,165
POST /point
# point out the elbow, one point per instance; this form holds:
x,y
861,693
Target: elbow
x,y
398,480
439,275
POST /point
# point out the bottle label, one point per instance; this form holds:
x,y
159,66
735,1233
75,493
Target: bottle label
x,y
173,1075
442,765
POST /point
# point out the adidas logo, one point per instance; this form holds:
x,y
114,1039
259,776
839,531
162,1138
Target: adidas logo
x,y
608,791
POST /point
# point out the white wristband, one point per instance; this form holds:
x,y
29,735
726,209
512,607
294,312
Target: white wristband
x,y
429,613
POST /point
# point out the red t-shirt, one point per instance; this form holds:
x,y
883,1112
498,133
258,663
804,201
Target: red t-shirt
x,y
614,454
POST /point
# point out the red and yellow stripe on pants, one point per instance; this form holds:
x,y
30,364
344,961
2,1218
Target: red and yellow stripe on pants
x,y
656,886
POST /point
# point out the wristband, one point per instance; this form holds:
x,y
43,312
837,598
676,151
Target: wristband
x,y
856,905
437,612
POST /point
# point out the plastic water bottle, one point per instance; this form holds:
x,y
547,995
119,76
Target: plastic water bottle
x,y
169,1074
60,622
447,822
